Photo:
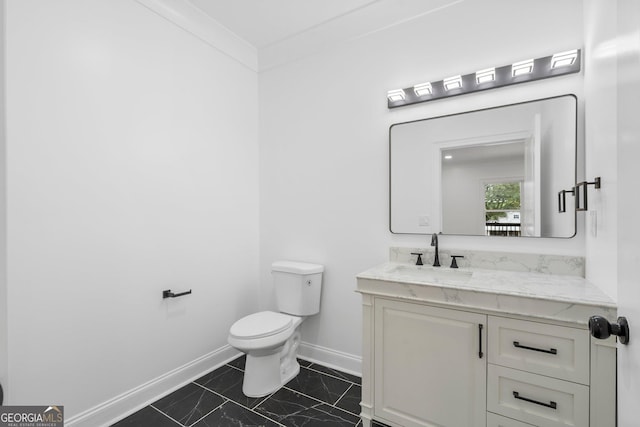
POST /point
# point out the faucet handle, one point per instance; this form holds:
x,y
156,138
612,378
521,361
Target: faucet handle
x,y
454,264
419,260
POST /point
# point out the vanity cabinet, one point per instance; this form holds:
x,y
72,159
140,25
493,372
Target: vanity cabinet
x,y
442,365
429,365
538,373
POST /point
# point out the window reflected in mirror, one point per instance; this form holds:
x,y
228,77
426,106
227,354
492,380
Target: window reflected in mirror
x,y
502,208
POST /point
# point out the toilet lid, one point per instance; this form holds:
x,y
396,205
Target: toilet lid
x,y
262,324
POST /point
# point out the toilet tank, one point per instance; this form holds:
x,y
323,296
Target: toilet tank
x,y
297,286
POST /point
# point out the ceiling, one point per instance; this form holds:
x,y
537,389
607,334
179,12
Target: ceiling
x,y
513,150
266,22
280,31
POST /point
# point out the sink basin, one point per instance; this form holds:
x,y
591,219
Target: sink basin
x,y
425,273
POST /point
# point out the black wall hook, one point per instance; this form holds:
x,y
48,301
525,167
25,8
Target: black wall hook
x,y
601,328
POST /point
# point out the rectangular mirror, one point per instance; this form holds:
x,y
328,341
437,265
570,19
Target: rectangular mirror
x,y
492,172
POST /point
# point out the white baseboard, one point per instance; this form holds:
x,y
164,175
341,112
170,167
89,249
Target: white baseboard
x,y
137,398
331,358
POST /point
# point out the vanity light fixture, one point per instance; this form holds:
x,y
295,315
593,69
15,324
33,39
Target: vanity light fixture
x,y
522,67
452,83
560,64
396,95
423,89
485,76
564,59
448,157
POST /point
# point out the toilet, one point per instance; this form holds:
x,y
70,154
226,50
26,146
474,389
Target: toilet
x,y
271,339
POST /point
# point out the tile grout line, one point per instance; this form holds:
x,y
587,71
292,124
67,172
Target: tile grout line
x,y
166,415
212,391
322,401
334,405
235,367
224,400
262,415
241,405
329,375
263,400
342,395
347,412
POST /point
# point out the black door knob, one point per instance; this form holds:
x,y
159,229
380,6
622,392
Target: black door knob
x,y
601,328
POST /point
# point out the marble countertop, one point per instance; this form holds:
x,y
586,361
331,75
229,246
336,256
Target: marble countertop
x,y
555,297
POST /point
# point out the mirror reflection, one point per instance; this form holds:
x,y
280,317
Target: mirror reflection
x,y
493,172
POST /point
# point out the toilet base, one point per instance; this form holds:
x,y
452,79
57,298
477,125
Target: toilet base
x,y
268,370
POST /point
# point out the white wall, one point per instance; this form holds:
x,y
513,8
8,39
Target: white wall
x,y
132,168
612,87
324,149
4,369
628,151
601,134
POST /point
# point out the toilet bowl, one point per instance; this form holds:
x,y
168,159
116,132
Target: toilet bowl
x,y
271,339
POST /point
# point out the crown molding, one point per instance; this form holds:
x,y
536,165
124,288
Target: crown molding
x,y
197,23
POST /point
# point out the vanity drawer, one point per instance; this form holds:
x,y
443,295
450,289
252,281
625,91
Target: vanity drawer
x,y
555,351
536,399
494,420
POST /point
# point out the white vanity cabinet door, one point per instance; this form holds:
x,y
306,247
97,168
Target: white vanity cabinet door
x,y
428,370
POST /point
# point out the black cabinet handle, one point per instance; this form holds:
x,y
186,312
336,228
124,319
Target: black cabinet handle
x,y
480,353
550,351
551,404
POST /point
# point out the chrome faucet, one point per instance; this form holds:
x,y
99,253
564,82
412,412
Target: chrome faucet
x,y
434,242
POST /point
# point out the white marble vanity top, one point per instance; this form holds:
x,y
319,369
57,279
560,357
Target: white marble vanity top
x,y
556,297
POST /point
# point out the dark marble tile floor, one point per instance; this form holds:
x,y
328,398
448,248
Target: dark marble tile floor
x,y
318,396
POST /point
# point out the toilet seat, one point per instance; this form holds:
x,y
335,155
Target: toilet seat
x,y
260,325
263,331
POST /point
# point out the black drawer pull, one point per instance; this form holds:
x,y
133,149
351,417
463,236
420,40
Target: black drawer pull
x,y
551,404
550,351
